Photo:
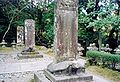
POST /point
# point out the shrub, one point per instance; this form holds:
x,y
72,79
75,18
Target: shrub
x,y
106,58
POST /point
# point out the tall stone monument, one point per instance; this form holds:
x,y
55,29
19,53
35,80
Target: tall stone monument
x,y
66,24
66,68
29,51
29,33
20,35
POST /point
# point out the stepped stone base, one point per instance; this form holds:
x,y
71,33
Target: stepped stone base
x,y
49,77
25,55
29,53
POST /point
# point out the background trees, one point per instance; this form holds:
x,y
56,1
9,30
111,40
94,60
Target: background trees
x,y
99,20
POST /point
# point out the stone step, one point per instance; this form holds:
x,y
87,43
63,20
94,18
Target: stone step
x,y
39,77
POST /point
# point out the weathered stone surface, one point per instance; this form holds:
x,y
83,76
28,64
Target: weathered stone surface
x,y
40,78
66,24
30,55
64,65
72,78
20,35
29,50
66,68
29,33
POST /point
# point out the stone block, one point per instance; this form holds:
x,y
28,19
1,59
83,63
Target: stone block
x,y
64,78
40,78
49,77
29,55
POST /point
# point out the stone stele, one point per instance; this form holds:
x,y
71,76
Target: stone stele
x,y
20,35
66,68
29,51
66,24
29,33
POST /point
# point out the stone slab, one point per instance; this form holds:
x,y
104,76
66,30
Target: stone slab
x,y
29,53
25,56
72,78
65,64
20,35
66,25
40,78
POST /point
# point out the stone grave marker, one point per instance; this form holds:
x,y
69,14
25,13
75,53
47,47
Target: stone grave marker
x,y
66,25
29,33
66,68
29,51
20,35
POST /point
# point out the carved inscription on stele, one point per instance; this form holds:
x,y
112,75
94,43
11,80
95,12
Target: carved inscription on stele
x,y
67,4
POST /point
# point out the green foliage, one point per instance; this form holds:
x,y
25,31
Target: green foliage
x,y
96,22
43,14
83,32
45,23
32,80
104,57
49,23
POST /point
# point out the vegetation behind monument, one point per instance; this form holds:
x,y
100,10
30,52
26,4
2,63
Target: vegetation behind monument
x,y
96,23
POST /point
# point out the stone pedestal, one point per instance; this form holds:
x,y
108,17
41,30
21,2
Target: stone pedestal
x,y
66,71
66,78
30,55
49,77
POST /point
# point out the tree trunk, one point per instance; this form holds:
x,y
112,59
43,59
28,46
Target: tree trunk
x,y
8,28
99,40
14,15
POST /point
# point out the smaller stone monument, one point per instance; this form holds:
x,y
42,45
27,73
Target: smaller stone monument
x,y
92,47
80,49
106,48
117,50
20,36
13,44
3,43
29,51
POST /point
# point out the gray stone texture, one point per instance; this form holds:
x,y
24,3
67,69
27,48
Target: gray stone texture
x,y
66,24
20,35
29,33
72,78
64,65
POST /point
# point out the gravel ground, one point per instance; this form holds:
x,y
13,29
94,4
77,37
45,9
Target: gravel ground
x,y
17,77
11,58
